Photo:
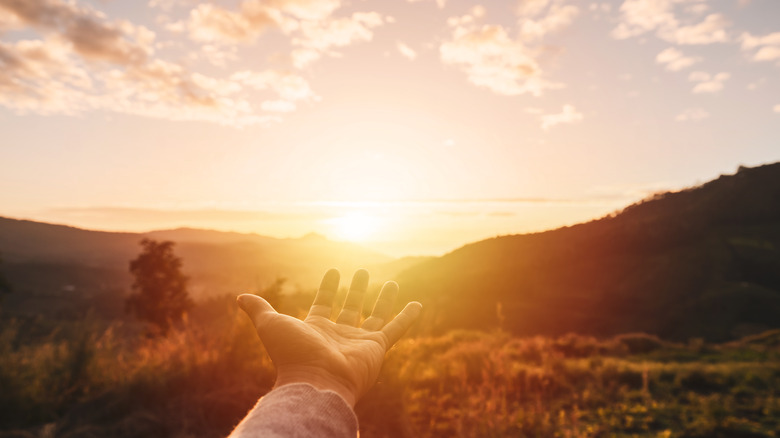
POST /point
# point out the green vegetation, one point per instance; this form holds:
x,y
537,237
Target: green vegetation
x,y
85,379
700,267
160,289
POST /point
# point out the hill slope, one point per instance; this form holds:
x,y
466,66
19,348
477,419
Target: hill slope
x,y
64,270
702,262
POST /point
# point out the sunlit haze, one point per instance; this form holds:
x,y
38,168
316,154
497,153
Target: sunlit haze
x,y
409,127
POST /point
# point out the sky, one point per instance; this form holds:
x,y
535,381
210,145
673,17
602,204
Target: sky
x,y
410,127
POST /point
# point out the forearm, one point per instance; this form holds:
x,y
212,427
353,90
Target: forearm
x,y
299,410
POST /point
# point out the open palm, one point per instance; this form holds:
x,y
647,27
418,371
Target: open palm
x,y
340,356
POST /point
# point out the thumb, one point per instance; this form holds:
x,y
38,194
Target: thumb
x,y
256,307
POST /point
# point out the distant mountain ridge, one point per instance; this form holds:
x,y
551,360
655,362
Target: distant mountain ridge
x,y
60,261
702,262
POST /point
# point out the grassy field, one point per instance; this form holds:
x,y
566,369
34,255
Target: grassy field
x,y
91,379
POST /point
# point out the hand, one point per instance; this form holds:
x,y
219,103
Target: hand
x,y
339,356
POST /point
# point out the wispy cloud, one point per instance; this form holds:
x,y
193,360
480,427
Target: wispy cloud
x,y
692,114
322,35
638,17
405,51
208,22
535,22
675,60
711,30
708,83
86,61
491,58
768,46
568,114
310,25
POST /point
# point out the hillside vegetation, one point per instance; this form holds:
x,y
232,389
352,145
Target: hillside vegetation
x,y
653,322
90,380
702,262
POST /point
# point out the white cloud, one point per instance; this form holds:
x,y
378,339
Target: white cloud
x,y
340,32
711,30
208,22
769,53
90,35
642,16
708,83
692,114
406,51
39,76
301,58
675,60
751,42
302,9
569,114
557,18
86,61
309,24
491,58
768,46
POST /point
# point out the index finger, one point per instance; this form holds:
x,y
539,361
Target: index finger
x,y
401,323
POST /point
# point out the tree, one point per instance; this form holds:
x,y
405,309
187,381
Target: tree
x,y
160,289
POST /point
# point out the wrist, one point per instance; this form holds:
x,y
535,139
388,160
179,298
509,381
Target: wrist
x,y
319,379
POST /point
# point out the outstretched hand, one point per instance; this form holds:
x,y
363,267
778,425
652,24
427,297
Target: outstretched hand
x,y
344,356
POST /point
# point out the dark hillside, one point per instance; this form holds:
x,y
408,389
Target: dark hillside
x,y
702,262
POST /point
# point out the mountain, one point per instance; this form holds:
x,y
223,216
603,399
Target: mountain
x,y
65,269
702,262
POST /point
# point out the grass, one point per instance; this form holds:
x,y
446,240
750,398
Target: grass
x,y
90,379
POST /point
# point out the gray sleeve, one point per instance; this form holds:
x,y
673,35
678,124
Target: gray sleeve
x,y
299,410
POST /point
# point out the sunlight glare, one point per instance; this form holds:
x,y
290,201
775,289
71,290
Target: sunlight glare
x,y
355,226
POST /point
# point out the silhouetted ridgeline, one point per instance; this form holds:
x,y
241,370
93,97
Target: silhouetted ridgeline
x,y
702,262
63,271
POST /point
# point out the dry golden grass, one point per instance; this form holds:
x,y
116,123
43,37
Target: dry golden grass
x,y
90,380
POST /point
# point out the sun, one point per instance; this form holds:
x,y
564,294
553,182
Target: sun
x,y
355,226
